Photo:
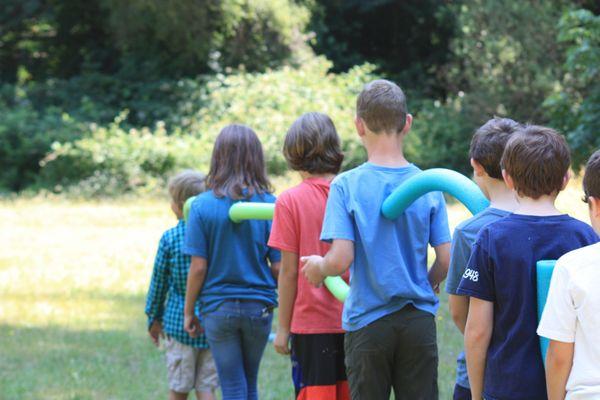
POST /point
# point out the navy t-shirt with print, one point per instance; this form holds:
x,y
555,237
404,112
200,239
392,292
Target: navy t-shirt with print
x,y
502,270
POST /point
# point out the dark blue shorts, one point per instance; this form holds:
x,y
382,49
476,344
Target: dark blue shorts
x,y
461,393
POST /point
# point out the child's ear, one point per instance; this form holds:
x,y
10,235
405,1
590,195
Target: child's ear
x,y
360,126
478,169
508,180
407,124
565,180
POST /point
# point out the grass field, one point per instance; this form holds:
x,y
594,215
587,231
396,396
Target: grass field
x,y
73,278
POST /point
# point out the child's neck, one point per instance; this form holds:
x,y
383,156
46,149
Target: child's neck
x,y
501,197
541,207
385,149
307,175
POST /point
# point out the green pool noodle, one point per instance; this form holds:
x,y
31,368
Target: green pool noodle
x,y
248,210
338,287
186,207
544,269
434,180
264,211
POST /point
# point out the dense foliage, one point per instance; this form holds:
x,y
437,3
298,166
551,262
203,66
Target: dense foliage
x,y
107,96
115,159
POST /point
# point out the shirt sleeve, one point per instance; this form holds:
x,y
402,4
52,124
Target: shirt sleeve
x,y
157,293
338,222
559,318
196,239
284,231
459,257
478,279
439,232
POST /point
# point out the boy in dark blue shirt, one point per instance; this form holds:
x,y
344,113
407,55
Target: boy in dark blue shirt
x,y
503,353
486,150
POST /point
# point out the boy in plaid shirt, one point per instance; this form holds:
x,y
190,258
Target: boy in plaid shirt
x,y
189,361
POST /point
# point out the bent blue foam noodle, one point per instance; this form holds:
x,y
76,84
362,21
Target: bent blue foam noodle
x,y
434,180
544,270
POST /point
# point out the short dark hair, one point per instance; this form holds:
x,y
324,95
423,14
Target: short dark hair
x,y
313,145
488,144
591,178
185,185
382,106
237,166
537,159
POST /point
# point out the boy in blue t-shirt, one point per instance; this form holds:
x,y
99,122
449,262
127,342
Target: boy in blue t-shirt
x,y
486,151
503,353
389,313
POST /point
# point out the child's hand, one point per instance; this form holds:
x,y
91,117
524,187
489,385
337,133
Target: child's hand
x,y
192,326
156,333
281,342
312,269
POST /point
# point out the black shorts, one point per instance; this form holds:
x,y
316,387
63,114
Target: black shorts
x,y
318,368
397,351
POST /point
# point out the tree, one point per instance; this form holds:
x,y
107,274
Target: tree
x,y
574,105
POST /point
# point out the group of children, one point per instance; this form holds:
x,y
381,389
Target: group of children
x,y
216,282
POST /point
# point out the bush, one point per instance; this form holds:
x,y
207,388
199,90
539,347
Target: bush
x,y
440,135
111,161
269,103
574,106
25,137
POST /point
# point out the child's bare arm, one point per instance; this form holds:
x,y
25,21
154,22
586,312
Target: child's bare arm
x,y
195,280
288,281
459,309
276,269
559,361
439,270
337,261
478,334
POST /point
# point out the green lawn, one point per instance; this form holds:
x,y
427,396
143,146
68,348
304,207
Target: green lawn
x,y
73,278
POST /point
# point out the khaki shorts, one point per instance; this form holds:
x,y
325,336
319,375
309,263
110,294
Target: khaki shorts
x,y
190,368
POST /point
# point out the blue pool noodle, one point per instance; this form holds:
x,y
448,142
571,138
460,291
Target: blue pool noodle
x,y
434,180
544,275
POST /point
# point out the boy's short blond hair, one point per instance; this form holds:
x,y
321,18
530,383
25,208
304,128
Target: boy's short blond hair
x,y
382,107
185,185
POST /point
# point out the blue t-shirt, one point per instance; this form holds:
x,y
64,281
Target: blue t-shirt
x,y
502,270
462,243
237,254
390,257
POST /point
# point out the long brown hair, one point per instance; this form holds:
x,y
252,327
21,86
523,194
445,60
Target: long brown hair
x,y
237,166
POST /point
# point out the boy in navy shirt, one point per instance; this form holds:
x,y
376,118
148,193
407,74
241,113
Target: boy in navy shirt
x,y
485,152
503,354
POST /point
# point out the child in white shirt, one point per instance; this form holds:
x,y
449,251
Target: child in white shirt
x,y
571,318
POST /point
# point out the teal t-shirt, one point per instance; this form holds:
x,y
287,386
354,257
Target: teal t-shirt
x,y
462,243
390,257
237,254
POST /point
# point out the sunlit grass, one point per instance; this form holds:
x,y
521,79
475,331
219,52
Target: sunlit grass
x,y
73,278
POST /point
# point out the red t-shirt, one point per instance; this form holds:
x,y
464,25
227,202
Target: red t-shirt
x,y
297,225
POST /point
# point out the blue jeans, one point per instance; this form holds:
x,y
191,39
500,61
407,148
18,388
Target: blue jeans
x,y
237,333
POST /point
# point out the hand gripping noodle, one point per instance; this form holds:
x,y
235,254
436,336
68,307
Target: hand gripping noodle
x,y
264,211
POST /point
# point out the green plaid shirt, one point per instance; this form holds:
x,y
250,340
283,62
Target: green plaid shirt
x,y
166,296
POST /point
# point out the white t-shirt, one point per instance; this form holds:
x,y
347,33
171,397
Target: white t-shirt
x,y
572,314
